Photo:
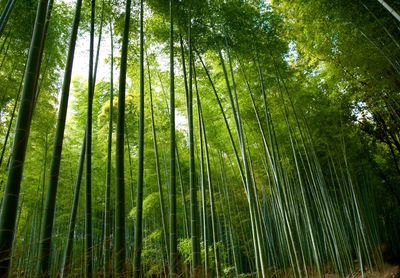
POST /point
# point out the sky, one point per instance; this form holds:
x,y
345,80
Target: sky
x,y
81,61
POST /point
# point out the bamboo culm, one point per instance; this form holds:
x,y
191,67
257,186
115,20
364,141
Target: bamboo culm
x,y
140,177
119,248
47,226
9,206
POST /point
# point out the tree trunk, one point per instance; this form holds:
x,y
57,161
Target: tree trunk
x,y
120,182
172,176
107,223
196,257
88,193
157,162
9,206
10,124
139,194
74,209
6,14
390,9
47,226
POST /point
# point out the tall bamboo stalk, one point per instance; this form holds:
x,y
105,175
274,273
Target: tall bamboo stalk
x,y
194,215
9,206
47,226
66,263
172,177
140,183
6,14
157,162
89,132
203,212
210,193
254,217
107,208
390,9
3,150
120,251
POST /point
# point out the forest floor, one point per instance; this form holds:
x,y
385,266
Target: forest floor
x,y
388,271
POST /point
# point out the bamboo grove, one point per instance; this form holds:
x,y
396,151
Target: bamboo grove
x,y
194,138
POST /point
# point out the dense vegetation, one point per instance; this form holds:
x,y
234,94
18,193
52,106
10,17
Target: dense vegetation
x,y
206,139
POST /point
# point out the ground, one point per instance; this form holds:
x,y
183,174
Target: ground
x,y
388,271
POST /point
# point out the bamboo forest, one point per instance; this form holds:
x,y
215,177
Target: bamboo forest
x,y
200,138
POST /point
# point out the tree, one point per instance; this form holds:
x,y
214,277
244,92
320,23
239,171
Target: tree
x,y
119,169
107,213
6,14
9,206
172,176
88,145
140,183
45,244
